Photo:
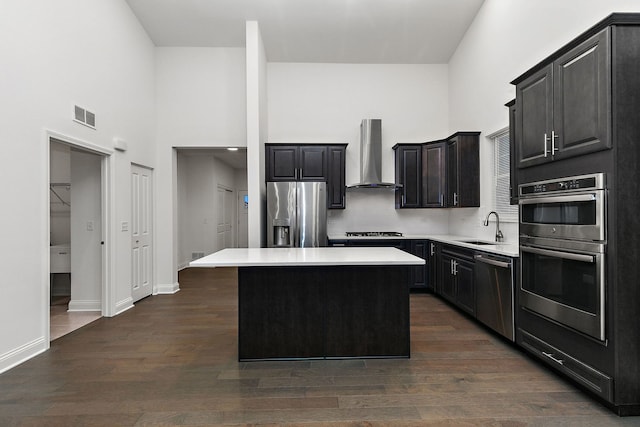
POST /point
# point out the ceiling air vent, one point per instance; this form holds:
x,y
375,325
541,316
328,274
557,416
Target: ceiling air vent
x,y
84,117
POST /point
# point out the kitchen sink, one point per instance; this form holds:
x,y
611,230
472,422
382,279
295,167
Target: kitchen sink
x,y
478,242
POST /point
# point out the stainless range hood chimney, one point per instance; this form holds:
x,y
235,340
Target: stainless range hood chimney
x,y
371,156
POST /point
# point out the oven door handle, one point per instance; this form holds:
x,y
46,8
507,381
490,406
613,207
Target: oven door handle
x,y
558,254
560,199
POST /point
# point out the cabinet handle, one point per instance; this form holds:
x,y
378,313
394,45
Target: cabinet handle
x,y
403,200
553,143
441,199
432,250
451,267
455,199
455,268
550,356
546,149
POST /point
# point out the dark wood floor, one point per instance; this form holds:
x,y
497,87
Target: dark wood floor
x,y
171,360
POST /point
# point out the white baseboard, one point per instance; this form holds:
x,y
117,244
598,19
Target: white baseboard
x,y
167,289
23,353
85,305
124,305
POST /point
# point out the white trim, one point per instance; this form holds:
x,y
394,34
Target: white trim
x,y
107,177
108,236
167,289
85,305
23,353
78,142
492,136
123,305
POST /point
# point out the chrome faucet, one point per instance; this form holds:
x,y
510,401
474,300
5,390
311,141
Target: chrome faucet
x,y
499,236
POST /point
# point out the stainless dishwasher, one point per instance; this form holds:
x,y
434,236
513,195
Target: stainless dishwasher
x,y
494,279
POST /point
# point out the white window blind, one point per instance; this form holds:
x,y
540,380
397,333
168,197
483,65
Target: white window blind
x,y
506,211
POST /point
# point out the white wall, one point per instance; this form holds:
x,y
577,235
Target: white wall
x,y
506,38
200,102
55,54
257,131
325,103
86,232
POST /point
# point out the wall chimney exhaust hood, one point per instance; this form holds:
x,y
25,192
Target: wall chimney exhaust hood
x,y
370,156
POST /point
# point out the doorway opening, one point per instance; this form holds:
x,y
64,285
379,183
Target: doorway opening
x,y
209,181
76,242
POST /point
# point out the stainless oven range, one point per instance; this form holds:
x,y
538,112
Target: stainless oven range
x,y
563,251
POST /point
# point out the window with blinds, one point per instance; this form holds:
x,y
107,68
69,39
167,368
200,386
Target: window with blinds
x,y
506,211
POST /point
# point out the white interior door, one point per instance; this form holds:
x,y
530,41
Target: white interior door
x,y
225,205
243,219
141,232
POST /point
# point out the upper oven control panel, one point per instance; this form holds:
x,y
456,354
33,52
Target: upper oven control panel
x,y
575,183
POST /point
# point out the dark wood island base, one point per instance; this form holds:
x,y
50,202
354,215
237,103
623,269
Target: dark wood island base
x,y
322,312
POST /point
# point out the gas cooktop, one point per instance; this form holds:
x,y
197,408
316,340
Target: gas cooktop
x,y
373,234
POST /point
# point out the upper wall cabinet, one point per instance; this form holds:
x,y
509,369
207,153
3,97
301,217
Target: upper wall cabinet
x,y
408,164
513,175
336,176
309,162
434,189
440,173
296,162
563,109
463,170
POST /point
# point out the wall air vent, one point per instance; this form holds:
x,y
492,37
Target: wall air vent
x,y
84,117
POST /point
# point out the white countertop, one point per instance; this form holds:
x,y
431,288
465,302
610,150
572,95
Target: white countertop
x,y
506,249
300,257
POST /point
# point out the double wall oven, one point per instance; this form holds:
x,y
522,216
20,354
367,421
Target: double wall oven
x,y
563,249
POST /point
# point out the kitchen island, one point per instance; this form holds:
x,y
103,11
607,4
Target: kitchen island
x,y
308,303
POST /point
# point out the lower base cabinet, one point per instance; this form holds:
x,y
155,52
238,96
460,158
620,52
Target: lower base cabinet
x,y
419,276
457,278
323,312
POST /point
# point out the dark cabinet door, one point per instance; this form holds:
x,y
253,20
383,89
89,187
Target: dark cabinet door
x,y
335,177
465,289
582,98
452,174
463,170
564,110
312,163
513,165
409,175
419,273
534,118
432,266
282,163
433,174
447,278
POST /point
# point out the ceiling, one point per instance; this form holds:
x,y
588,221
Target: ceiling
x,y
331,31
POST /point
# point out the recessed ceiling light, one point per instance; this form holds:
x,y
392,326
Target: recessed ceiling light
x,y
232,149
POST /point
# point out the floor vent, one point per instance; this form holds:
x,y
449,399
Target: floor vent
x,y
84,117
196,255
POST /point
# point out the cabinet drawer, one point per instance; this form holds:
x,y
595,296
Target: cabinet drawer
x,y
597,382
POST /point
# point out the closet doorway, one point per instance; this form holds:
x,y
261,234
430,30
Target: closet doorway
x,y
76,284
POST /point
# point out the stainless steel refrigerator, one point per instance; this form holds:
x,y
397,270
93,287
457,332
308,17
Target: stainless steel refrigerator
x,y
296,214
